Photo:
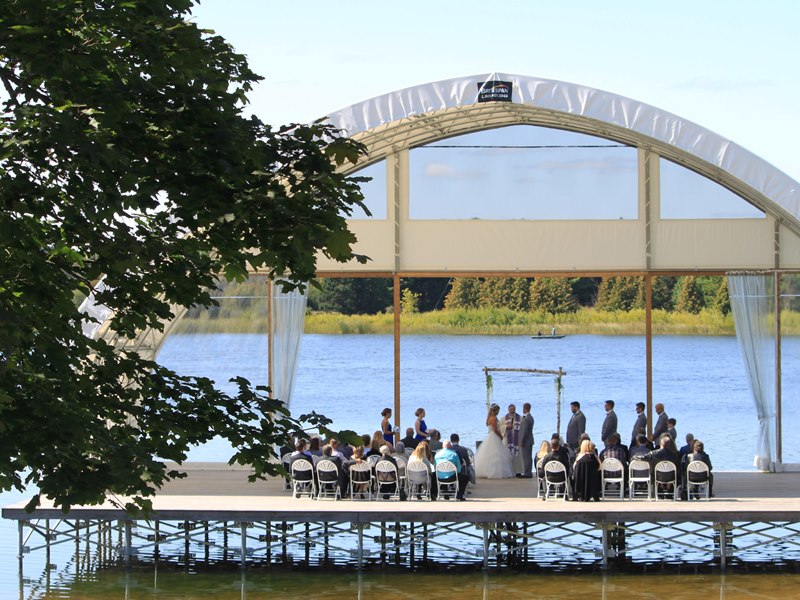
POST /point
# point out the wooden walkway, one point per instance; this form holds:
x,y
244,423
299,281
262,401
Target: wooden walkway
x,y
216,491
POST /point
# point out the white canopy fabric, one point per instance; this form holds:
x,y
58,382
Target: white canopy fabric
x,y
581,101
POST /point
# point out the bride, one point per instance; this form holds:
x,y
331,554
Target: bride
x,y
493,460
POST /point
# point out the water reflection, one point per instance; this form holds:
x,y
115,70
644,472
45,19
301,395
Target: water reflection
x,y
277,586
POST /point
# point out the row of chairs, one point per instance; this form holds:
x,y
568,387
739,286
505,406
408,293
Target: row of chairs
x,y
372,478
640,485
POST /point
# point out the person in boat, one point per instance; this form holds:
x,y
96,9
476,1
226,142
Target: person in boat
x,y
553,332
539,333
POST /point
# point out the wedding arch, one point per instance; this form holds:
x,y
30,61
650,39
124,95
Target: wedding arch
x,y
559,386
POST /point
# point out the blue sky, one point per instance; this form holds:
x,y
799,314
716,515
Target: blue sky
x,y
731,67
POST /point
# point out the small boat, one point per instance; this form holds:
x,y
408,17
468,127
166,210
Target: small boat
x,y
549,336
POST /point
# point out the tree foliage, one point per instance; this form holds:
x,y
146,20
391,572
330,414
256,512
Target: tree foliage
x,y
464,293
552,295
620,293
126,155
690,298
356,295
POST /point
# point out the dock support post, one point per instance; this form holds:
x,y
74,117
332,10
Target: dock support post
x,y
485,547
20,530
127,545
360,555
722,528
604,537
243,561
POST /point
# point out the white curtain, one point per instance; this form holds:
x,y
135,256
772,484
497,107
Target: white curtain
x,y
288,315
752,302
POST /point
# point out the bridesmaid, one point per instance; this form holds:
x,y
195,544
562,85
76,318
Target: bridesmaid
x,y
420,428
386,426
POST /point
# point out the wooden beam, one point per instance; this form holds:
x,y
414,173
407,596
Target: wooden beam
x,y
648,337
396,293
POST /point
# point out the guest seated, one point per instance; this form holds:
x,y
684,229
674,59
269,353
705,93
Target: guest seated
x,y
586,479
688,447
362,487
314,446
698,453
447,454
410,441
615,449
559,453
375,444
422,454
435,442
666,452
544,450
385,480
640,449
327,454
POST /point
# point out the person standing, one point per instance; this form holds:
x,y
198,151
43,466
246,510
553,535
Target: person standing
x,y
576,426
386,426
526,441
609,423
662,424
420,428
513,422
639,424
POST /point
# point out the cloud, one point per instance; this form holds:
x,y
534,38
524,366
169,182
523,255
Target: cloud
x,y
721,85
448,171
604,165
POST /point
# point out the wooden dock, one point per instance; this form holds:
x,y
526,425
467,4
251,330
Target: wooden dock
x,y
757,509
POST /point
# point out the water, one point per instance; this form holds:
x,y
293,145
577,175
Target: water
x,y
701,381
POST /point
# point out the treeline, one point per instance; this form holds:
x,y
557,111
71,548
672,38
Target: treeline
x,y
550,295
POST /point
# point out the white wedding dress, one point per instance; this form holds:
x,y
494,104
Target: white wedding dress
x,y
493,460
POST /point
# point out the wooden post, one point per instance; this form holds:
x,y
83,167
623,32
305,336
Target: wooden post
x,y
648,337
270,341
396,308
778,408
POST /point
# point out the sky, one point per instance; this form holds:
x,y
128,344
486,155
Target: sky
x,y
731,67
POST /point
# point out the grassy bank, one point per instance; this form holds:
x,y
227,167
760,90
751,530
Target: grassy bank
x,y
495,322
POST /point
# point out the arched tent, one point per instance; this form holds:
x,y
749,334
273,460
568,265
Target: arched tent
x,y
392,126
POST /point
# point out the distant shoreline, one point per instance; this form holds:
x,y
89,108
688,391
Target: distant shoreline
x,y
495,322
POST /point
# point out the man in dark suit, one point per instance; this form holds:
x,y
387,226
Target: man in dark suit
x,y
641,423
662,424
526,441
327,454
410,441
576,425
609,423
463,456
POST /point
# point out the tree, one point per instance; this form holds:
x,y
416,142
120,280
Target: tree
x,y
620,293
690,299
553,295
722,301
126,157
409,301
356,295
464,293
495,291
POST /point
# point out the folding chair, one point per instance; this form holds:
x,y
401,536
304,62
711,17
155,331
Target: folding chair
x,y
666,475
698,476
612,477
286,461
419,481
555,476
327,480
402,465
303,478
638,477
447,489
387,480
540,491
360,480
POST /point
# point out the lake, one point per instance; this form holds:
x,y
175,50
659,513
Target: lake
x,y
701,381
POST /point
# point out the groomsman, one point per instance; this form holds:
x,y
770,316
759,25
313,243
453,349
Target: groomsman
x,y
641,423
576,426
609,423
526,441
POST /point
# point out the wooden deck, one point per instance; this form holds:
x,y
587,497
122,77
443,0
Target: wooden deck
x,y
216,492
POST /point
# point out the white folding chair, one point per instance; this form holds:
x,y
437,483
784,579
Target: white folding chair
x,y
303,478
402,464
419,481
555,478
540,491
360,480
612,477
666,475
638,478
387,480
286,461
447,489
327,480
698,476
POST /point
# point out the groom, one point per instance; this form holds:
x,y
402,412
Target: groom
x,y
513,424
526,441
